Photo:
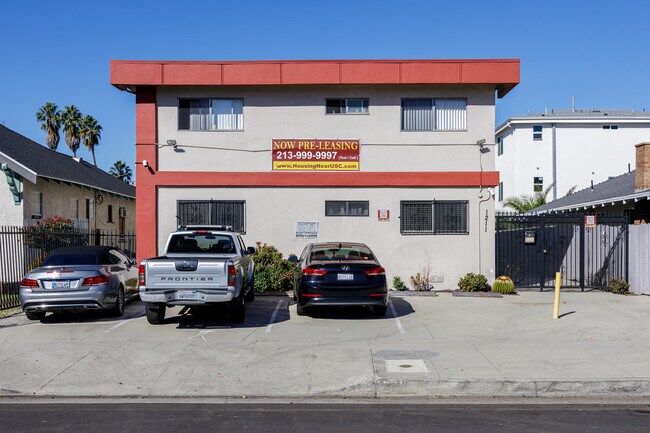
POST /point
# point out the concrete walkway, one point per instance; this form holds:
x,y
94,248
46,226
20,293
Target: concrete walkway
x,y
442,347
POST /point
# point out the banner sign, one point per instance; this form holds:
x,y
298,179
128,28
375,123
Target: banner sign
x,y
315,154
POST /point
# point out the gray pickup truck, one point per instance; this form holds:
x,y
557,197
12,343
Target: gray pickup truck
x,y
201,266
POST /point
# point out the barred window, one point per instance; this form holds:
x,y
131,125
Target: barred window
x,y
434,217
213,212
347,208
434,114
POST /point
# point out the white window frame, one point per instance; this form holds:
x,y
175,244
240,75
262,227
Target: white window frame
x,y
233,121
437,116
538,135
346,108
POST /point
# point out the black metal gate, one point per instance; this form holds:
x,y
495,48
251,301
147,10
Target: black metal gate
x,y
532,248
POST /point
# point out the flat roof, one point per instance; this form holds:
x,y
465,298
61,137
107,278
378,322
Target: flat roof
x,y
128,74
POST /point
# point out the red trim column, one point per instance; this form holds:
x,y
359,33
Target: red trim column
x,y
146,205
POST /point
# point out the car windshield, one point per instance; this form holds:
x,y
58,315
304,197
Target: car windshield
x,y
340,252
202,243
71,259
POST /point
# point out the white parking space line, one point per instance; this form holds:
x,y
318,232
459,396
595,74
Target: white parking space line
x,y
275,313
399,324
117,325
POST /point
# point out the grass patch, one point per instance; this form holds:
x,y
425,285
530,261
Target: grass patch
x,y
10,312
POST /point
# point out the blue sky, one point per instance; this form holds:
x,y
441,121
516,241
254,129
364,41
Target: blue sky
x,y
594,50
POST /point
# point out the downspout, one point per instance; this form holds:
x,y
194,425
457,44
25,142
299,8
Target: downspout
x,y
554,164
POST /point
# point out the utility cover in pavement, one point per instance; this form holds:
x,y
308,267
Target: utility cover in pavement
x,y
406,366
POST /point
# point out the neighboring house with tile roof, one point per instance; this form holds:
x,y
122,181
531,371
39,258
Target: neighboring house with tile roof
x,y
42,183
566,148
628,193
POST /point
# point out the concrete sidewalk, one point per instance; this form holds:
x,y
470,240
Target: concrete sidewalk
x,y
442,347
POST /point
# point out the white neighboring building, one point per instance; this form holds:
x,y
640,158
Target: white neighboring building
x,y
566,148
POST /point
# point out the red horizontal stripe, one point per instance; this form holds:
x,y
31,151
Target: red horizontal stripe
x,y
324,179
502,72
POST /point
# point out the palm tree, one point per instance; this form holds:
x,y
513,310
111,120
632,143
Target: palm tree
x,y
50,119
121,171
71,118
91,132
525,203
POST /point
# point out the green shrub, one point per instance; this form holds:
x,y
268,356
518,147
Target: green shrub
x,y
398,284
503,285
473,283
273,273
619,286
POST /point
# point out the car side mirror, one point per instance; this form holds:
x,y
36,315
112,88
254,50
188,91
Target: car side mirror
x,y
293,259
250,250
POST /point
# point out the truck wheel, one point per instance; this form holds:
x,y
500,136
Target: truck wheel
x,y
238,309
118,309
35,315
155,313
250,296
300,310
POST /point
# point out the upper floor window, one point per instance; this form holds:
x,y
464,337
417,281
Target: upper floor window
x,y
610,126
211,114
346,106
537,132
434,114
538,184
500,145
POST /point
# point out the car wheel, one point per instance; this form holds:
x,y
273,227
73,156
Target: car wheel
x,y
379,310
118,309
155,313
238,309
300,310
35,315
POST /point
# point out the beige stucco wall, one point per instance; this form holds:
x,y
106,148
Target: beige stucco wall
x,y
10,213
299,112
57,201
272,213
274,112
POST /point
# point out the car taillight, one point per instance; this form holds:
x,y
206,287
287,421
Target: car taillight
x,y
312,271
94,281
141,275
28,283
231,275
311,295
375,271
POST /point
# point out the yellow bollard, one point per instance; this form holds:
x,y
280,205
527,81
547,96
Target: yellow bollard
x,y
556,306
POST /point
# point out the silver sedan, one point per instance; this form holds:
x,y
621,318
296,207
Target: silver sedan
x,y
79,278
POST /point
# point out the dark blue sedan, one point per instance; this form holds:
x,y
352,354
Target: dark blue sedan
x,y
339,273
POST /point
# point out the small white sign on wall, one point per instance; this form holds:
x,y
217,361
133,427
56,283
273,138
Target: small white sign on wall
x,y
383,214
306,229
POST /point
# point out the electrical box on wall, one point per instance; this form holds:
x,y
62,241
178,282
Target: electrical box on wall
x,y
530,237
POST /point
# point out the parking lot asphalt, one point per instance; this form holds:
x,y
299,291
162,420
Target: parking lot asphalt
x,y
427,347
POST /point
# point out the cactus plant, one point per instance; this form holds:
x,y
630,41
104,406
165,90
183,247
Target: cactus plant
x,y
503,285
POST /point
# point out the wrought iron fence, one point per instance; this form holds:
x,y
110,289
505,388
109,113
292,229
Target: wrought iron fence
x,y
532,248
24,248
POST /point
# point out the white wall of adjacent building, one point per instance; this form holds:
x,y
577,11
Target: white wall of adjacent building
x,y
585,152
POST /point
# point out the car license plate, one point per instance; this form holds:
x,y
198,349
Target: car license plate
x,y
186,294
61,284
345,277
